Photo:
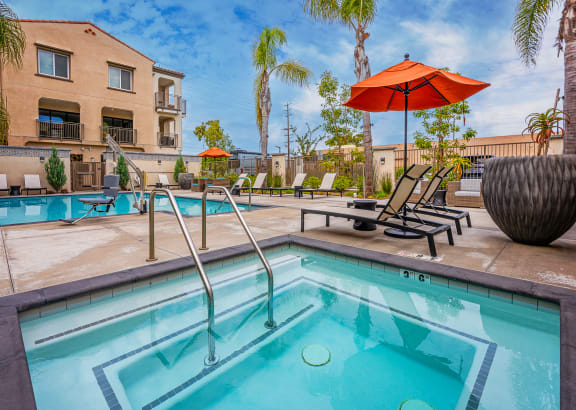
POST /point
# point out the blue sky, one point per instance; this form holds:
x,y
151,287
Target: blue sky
x,y
211,43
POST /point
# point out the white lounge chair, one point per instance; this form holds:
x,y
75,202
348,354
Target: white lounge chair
x,y
326,186
32,183
259,183
3,183
298,181
163,180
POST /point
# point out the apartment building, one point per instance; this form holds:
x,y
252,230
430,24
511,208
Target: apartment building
x,y
79,83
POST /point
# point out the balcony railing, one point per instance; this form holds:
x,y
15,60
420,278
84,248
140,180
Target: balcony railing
x,y
167,139
64,131
170,102
120,135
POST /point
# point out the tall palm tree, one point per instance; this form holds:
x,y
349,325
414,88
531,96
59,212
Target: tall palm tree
x,y
12,45
355,14
528,28
264,58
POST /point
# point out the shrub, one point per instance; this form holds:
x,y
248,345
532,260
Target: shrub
x,y
179,168
55,171
342,182
386,184
122,171
399,173
232,176
276,181
360,183
312,182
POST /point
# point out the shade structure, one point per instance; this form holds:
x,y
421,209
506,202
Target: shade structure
x,y
410,86
214,152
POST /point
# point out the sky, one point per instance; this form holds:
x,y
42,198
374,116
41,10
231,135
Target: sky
x,y
211,43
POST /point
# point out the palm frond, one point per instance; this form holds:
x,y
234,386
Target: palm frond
x,y
363,11
266,47
292,72
12,37
529,25
326,10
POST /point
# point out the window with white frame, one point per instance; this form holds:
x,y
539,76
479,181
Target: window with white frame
x,y
53,64
119,78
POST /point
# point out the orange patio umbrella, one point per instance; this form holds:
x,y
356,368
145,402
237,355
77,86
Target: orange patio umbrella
x,y
410,86
214,152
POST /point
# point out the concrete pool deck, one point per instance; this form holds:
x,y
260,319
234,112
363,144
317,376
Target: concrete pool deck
x,y
38,255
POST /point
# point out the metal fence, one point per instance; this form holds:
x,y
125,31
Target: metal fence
x,y
476,153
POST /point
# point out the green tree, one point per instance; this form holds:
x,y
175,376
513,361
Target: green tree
x,y
529,25
12,46
356,15
211,134
179,168
55,171
306,143
265,60
122,171
442,138
341,124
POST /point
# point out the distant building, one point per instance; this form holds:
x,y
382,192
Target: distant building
x,y
79,83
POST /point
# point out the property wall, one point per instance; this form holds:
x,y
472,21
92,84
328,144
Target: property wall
x,y
92,50
279,160
17,161
149,163
384,160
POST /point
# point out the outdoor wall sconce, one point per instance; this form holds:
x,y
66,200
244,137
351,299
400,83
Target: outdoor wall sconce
x,y
276,164
42,159
382,161
159,162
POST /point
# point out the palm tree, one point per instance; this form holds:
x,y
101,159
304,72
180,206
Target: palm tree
x,y
12,45
356,14
264,58
529,25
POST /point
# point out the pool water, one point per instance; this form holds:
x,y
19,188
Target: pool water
x,y
56,207
389,339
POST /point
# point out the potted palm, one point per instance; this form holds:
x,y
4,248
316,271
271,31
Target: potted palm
x,y
531,199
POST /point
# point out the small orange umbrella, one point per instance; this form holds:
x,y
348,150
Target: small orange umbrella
x,y
214,152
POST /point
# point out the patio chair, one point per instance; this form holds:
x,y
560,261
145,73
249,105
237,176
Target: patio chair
x,y
467,192
392,210
258,183
325,186
164,182
298,182
32,183
3,183
110,190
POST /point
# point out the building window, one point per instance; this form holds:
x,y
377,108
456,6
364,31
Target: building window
x,y
116,122
53,64
57,116
119,78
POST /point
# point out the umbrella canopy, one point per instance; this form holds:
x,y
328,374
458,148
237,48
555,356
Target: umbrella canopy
x,y
214,152
427,87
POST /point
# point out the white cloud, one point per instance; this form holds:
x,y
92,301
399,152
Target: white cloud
x,y
309,103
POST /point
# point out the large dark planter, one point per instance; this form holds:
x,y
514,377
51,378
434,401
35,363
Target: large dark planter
x,y
531,199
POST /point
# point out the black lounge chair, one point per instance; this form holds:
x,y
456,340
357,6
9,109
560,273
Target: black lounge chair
x,y
325,186
110,189
392,210
425,205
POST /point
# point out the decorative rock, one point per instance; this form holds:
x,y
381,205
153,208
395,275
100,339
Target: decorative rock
x,y
531,199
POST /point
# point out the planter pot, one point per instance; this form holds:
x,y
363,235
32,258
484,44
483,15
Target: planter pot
x,y
531,199
439,198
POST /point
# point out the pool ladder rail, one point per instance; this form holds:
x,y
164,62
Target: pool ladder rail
x,y
211,359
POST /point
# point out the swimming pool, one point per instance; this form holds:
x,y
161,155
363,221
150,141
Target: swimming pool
x,y
381,336
55,207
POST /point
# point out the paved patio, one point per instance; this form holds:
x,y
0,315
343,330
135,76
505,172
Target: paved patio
x,y
38,255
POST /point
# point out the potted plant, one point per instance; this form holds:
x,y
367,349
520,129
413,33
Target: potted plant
x,y
532,199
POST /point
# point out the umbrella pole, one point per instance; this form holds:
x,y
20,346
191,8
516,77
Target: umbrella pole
x,y
397,232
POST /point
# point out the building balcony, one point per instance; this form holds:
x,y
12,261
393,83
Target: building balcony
x,y
63,131
167,139
120,135
170,103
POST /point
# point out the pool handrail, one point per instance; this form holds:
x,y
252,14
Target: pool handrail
x,y
249,193
270,324
211,359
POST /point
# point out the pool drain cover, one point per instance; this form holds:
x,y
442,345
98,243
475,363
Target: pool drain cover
x,y
415,404
315,355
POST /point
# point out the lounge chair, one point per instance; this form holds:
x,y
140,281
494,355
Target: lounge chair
x,y
425,206
392,210
3,183
237,185
32,183
325,186
298,181
110,189
258,183
164,183
467,192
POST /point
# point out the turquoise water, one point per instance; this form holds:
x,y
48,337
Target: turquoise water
x,y
55,207
390,339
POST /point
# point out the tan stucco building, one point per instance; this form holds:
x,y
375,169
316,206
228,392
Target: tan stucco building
x,y
79,83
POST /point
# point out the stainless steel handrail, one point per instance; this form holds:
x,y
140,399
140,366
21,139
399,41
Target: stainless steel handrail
x,y
240,187
211,359
270,324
